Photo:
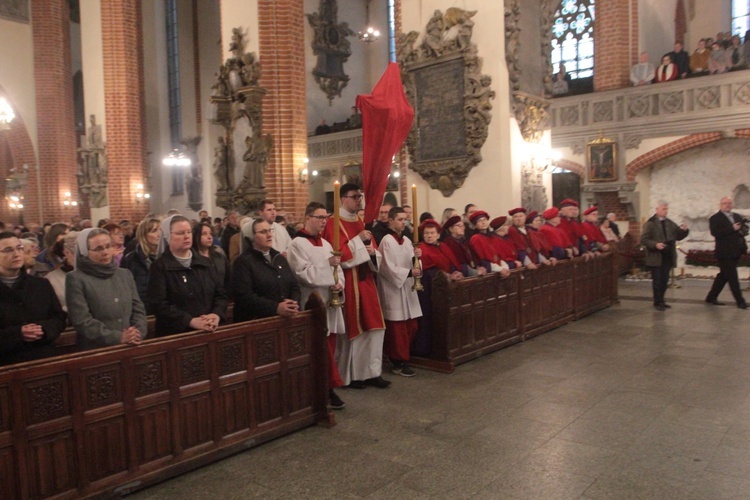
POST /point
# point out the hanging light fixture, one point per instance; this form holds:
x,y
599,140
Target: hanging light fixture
x,y
6,114
369,34
176,159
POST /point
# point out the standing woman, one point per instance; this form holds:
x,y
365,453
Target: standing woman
x,y
103,302
182,286
203,244
139,261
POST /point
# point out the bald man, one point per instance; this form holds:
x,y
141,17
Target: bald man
x,y
729,231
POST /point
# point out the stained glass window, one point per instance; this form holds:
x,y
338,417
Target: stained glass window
x,y
573,38
740,17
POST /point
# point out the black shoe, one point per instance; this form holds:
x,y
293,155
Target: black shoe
x,y
335,402
407,371
714,302
667,306
378,382
743,305
357,384
660,307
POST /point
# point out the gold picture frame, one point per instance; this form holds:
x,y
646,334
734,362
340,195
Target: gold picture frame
x,y
601,160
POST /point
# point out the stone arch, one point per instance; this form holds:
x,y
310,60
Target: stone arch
x,y
646,160
571,166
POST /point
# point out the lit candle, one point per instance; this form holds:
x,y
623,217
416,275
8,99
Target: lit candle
x,y
336,203
415,213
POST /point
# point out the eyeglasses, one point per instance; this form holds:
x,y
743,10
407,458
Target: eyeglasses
x,y
264,231
354,196
182,233
101,248
319,217
11,250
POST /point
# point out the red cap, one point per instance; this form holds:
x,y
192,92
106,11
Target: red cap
x,y
551,213
519,210
567,202
478,215
452,222
430,223
498,222
592,208
531,216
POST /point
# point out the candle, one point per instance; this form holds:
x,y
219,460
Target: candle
x,y
336,203
415,213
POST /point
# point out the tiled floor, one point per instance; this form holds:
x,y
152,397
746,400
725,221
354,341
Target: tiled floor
x,y
628,403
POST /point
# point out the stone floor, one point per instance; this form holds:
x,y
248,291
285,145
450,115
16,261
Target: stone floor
x,y
627,403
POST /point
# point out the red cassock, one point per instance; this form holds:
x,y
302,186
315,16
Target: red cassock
x,y
555,236
539,242
492,248
362,306
522,242
461,251
594,233
438,256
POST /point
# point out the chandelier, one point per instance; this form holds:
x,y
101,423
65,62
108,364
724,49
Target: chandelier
x,y
369,34
6,114
176,159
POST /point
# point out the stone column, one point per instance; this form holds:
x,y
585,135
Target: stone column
x,y
615,42
54,103
122,40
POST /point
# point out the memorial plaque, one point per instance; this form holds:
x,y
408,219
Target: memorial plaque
x,y
440,111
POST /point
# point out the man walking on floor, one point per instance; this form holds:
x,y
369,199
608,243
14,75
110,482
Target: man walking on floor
x,y
730,231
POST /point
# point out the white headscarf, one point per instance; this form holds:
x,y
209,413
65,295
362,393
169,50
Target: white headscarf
x,y
165,235
82,243
246,235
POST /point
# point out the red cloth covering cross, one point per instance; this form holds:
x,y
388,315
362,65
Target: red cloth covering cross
x,y
386,120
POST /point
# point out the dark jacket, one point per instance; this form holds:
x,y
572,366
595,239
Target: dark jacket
x,y
226,236
730,243
180,294
31,300
135,262
259,287
653,234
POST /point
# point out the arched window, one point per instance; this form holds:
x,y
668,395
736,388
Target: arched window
x,y
740,17
573,38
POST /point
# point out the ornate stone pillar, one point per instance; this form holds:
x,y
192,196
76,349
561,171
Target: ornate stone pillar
x,y
54,103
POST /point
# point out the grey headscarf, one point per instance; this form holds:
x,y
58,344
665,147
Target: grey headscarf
x,y
83,263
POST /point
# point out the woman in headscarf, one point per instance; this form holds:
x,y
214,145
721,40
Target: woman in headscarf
x,y
203,243
65,248
103,303
139,261
182,286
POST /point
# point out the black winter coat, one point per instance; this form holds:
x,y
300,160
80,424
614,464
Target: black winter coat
x,y
259,287
135,262
730,243
31,300
180,294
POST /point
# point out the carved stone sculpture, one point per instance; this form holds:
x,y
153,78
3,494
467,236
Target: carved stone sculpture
x,y
93,167
237,96
452,99
194,178
532,115
331,47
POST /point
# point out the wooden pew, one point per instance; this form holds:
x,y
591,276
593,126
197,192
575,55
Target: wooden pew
x,y
479,315
113,420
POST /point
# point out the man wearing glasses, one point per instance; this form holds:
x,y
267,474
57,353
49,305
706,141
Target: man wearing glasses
x,y
281,238
31,317
359,353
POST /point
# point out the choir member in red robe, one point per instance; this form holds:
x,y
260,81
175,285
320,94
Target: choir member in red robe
x,y
483,244
453,237
503,245
595,238
538,241
360,354
557,238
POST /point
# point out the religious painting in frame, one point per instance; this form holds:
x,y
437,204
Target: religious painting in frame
x,y
353,173
601,160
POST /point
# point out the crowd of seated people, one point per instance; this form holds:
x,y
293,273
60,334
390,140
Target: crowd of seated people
x,y
176,270
711,56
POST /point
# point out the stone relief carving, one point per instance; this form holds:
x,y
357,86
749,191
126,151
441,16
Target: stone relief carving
x,y
533,193
237,96
15,10
446,60
194,177
512,42
633,141
709,97
331,47
671,102
548,18
93,167
532,116
603,111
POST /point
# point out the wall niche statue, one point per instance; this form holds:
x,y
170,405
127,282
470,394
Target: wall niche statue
x,y
331,47
194,177
237,96
92,167
451,99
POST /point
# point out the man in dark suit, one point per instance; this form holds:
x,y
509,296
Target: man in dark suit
x,y
729,231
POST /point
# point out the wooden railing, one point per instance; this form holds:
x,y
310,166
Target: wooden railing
x,y
479,315
113,420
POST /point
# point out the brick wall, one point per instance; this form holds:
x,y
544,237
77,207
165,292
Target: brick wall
x,y
54,103
616,42
282,56
648,159
122,40
610,203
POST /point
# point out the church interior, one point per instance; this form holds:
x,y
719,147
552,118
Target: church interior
x,y
115,109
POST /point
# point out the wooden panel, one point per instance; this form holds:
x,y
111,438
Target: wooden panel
x,y
266,349
105,448
153,434
46,399
234,409
8,488
150,374
52,465
193,364
232,356
268,398
300,389
5,422
196,421
102,385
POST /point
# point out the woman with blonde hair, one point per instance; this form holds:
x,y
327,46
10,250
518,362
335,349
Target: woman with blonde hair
x,y
138,262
